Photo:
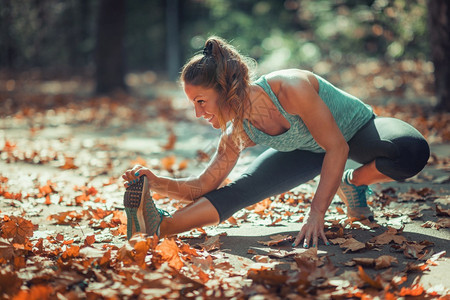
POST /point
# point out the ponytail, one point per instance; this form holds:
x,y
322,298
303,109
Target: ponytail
x,y
221,67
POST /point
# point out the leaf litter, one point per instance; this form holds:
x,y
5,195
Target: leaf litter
x,y
62,235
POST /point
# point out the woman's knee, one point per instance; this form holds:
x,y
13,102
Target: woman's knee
x,y
413,157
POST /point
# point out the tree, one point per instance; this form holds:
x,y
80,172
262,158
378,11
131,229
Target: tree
x,y
439,24
110,53
173,39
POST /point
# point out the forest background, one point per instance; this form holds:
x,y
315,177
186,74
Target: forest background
x,y
385,42
88,89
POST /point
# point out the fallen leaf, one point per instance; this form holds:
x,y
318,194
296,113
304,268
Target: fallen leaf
x,y
170,142
6,249
440,223
261,258
281,253
169,252
391,235
385,261
211,243
353,245
415,290
416,267
442,212
306,257
168,162
17,228
362,261
10,282
276,240
69,163
366,278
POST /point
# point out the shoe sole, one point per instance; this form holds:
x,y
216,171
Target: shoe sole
x,y
134,200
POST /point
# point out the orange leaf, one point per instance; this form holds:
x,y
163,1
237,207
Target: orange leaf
x,y
188,250
17,228
168,250
10,282
366,278
276,239
139,161
171,141
168,162
183,164
415,290
45,190
47,200
19,262
275,222
90,239
68,163
6,249
232,221
35,292
72,251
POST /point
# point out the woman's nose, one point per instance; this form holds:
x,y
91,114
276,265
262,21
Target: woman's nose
x,y
198,111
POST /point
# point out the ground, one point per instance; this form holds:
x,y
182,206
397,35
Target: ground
x,y
61,162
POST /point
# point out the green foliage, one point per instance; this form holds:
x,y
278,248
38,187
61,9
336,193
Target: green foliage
x,y
301,33
289,33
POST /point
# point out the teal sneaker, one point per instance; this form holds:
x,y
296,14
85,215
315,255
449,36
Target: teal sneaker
x,y
354,198
142,214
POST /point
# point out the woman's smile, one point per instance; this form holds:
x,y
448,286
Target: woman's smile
x,y
205,102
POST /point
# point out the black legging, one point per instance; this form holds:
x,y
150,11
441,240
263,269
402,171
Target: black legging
x,y
399,151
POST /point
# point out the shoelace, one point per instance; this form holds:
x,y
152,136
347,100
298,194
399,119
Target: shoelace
x,y
360,192
163,213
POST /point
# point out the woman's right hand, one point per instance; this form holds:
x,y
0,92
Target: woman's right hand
x,y
131,176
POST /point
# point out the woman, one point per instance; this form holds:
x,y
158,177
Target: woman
x,y
311,128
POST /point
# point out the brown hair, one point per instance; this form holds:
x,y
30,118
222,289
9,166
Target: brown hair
x,y
222,68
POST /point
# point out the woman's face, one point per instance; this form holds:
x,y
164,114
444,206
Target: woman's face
x,y
205,102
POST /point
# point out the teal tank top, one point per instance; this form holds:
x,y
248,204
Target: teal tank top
x,y
349,112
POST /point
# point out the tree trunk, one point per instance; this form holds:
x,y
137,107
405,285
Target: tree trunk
x,y
173,39
110,53
439,25
8,51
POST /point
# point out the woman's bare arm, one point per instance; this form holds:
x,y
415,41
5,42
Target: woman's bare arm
x,y
191,188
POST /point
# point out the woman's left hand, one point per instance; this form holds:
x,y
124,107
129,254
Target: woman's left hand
x,y
312,229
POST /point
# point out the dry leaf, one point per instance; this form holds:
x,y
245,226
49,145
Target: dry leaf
x,y
353,245
366,278
168,162
170,142
442,212
17,228
169,252
211,243
387,237
90,239
276,240
415,290
385,261
306,257
69,163
440,223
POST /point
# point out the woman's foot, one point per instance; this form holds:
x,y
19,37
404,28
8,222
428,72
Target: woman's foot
x,y
142,214
354,198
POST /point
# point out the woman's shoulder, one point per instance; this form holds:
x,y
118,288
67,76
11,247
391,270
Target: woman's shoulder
x,y
288,77
282,81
